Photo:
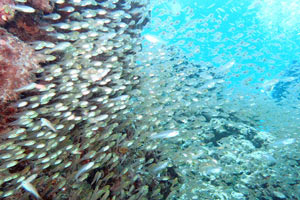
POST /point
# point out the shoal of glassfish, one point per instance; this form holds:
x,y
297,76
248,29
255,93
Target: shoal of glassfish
x,y
78,123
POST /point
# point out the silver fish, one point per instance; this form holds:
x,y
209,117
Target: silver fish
x,y
46,122
29,187
23,8
165,134
84,168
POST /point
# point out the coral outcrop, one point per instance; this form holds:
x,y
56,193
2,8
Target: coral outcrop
x,y
17,61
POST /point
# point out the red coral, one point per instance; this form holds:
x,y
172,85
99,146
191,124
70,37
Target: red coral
x,y
43,5
17,60
7,12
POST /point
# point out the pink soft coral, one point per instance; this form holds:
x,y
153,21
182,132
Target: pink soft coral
x,y
17,60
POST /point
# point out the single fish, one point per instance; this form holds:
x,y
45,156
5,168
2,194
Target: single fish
x,y
30,86
225,68
53,16
84,168
151,38
68,9
165,134
283,142
268,86
46,122
160,166
23,8
29,187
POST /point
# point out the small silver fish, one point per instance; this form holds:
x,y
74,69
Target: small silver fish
x,y
30,86
46,122
165,134
225,68
23,8
53,16
29,187
84,168
68,9
160,166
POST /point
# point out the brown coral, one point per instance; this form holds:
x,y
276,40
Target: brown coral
x,y
43,5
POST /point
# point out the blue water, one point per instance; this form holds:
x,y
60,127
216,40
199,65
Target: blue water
x,y
255,37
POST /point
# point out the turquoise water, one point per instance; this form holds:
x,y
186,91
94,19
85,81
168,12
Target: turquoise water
x,y
253,34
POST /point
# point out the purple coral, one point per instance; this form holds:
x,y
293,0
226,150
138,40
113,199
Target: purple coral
x,y
17,60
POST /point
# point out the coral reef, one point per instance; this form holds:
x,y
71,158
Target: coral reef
x,y
17,61
7,11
